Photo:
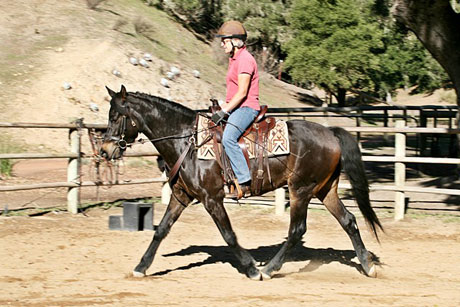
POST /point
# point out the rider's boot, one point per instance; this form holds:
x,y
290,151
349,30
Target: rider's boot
x,y
240,190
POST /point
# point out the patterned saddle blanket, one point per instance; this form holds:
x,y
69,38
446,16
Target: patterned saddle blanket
x,y
277,142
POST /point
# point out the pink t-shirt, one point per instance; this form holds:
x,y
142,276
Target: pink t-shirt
x,y
243,63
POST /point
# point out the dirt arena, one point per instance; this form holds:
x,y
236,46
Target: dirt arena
x,y
59,259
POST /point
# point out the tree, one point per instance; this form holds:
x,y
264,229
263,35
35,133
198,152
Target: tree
x,y
265,21
334,46
405,63
200,16
437,25
343,45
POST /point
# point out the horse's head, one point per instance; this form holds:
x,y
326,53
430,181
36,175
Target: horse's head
x,y
122,129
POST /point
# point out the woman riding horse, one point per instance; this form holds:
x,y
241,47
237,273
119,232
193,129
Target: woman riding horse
x,y
242,101
312,168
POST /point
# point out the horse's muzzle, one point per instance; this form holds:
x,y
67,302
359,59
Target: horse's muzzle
x,y
111,150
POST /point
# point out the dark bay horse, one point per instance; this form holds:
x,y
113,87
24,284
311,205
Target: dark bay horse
x,y
312,168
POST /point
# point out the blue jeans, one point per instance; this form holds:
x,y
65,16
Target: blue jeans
x,y
238,121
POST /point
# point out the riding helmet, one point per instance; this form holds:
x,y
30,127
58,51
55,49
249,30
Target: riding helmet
x,y
232,29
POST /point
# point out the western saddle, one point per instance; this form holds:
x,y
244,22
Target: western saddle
x,y
257,134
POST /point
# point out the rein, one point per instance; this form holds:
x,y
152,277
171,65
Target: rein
x,y
174,171
123,144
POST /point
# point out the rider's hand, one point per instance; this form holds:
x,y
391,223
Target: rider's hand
x,y
218,117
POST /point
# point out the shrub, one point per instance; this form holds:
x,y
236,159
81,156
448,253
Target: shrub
x,y
6,167
118,24
142,27
92,4
7,146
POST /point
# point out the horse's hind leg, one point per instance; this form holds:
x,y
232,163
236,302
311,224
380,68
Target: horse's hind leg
x,y
218,213
173,211
328,195
300,197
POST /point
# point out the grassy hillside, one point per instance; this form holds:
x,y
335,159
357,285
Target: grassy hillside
x,y
49,43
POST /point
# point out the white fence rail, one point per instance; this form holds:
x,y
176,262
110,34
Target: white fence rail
x,y
399,159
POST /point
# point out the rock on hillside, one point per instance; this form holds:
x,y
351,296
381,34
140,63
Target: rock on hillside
x,y
45,49
58,56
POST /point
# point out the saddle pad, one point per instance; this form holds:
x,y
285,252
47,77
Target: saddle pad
x,y
277,143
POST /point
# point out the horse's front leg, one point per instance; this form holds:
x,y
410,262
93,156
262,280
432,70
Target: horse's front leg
x,y
218,213
173,211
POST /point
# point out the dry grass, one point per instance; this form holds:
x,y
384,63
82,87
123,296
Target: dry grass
x,y
448,97
143,27
118,24
93,4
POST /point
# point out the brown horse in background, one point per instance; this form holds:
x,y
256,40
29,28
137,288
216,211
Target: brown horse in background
x,y
312,168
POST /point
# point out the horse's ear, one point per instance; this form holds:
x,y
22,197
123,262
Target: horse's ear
x,y
111,93
123,92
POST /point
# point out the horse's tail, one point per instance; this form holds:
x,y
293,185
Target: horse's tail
x,y
354,168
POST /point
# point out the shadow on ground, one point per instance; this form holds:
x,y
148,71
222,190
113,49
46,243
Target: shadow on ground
x,y
316,257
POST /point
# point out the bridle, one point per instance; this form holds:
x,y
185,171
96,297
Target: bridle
x,y
122,144
120,141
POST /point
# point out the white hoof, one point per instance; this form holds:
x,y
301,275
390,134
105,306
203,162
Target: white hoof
x,y
265,276
372,272
256,277
138,274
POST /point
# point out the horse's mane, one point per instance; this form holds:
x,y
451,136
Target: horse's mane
x,y
151,101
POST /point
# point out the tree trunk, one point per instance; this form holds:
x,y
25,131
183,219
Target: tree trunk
x,y
341,92
437,26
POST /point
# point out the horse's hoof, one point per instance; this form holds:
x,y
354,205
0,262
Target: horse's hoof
x,y
256,277
254,274
372,272
138,274
265,276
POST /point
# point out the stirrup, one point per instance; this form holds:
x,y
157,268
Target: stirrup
x,y
236,192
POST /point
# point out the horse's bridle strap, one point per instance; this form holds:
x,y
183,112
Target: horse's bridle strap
x,y
175,168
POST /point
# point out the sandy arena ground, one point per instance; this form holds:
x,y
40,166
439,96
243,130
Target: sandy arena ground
x,y
61,259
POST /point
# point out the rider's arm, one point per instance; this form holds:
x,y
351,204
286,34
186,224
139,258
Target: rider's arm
x,y
243,86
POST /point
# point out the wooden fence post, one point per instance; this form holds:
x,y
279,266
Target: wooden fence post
x,y
165,194
400,171
385,124
73,172
280,201
359,113
166,191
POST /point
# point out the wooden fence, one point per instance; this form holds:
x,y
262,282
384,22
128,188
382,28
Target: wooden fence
x,y
399,159
75,157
